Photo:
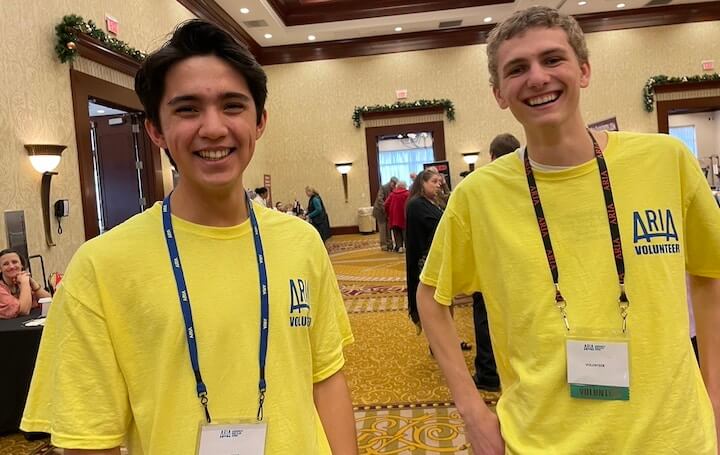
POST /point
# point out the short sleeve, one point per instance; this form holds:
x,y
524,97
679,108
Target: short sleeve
x,y
702,225
450,265
77,393
9,305
330,329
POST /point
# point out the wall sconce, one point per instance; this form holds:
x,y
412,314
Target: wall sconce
x,y
45,158
471,159
343,169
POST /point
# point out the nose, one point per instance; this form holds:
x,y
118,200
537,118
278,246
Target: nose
x,y
213,125
537,76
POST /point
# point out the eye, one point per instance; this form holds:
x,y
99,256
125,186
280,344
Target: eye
x,y
185,110
235,107
554,60
514,70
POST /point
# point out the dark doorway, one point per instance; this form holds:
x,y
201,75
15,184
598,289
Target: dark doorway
x,y
121,182
374,135
120,169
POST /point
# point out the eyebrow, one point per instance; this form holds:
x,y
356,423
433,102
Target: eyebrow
x,y
195,98
554,50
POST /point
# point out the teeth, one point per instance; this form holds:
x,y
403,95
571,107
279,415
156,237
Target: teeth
x,y
214,155
542,99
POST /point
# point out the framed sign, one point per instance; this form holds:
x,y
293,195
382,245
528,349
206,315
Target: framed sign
x,y
609,124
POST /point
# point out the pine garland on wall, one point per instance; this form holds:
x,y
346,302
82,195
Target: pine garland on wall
x,y
661,79
67,31
402,105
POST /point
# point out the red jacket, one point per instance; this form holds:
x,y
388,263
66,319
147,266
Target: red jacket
x,y
395,207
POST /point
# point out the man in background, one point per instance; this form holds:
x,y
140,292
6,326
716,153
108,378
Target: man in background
x,y
386,243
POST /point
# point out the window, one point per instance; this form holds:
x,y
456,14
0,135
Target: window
x,y
400,156
687,135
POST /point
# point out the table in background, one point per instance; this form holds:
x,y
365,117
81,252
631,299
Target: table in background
x,y
18,350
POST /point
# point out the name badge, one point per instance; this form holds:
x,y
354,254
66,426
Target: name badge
x,y
598,368
232,439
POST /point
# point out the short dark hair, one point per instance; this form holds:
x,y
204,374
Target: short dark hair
x,y
195,38
502,145
261,190
13,250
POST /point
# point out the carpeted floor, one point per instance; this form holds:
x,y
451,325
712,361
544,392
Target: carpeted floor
x,y
16,444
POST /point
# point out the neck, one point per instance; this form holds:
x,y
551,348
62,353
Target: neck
x,y
220,209
6,281
563,145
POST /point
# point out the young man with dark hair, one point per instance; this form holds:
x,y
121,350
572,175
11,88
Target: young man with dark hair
x,y
580,247
191,328
502,145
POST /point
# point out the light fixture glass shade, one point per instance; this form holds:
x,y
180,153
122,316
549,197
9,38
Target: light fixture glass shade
x,y
45,163
343,168
470,158
44,157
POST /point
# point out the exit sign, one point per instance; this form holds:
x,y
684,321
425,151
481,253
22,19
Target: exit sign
x,y
401,94
112,24
708,65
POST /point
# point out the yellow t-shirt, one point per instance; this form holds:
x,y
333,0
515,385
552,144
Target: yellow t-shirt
x,y
114,367
669,222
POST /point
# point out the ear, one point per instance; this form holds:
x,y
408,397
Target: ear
x,y
260,128
502,102
585,75
155,134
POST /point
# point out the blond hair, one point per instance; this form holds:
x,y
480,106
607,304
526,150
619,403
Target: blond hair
x,y
522,21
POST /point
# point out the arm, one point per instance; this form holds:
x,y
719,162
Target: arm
x,y
38,290
332,400
316,208
25,296
705,294
115,451
482,426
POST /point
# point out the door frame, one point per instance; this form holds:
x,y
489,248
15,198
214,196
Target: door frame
x,y
372,135
698,104
83,88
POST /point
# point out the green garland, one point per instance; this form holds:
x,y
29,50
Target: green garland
x,y
402,105
67,30
649,89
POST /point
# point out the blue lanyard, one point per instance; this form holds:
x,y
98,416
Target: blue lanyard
x,y
184,298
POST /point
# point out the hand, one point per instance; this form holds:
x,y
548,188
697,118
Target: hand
x,y
22,278
483,434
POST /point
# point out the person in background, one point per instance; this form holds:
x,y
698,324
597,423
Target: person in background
x,y
207,319
582,263
261,196
486,376
317,213
19,292
395,210
381,216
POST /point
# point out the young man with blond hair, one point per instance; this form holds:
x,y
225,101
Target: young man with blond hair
x,y
580,244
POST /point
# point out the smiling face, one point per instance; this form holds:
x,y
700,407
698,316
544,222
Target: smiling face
x,y
540,77
209,124
10,266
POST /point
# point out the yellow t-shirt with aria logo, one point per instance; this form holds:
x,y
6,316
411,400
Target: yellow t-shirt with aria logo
x,y
669,224
114,367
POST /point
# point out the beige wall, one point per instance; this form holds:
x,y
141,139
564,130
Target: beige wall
x,y
36,104
311,103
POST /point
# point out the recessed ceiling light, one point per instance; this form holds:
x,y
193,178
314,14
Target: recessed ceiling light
x,y
582,3
244,10
311,38
398,29
487,19
100,111
268,36
621,5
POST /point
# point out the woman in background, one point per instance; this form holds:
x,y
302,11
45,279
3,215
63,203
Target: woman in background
x,y
19,292
316,213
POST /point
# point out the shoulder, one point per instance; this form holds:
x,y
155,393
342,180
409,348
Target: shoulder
x,y
277,224
659,145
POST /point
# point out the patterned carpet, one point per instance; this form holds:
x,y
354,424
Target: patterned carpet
x,y
16,444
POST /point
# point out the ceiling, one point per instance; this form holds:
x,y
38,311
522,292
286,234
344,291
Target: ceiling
x,y
344,28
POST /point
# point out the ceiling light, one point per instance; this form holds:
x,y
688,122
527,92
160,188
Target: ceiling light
x,y
100,111
487,19
621,5
398,29
244,10
268,36
311,38
582,3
